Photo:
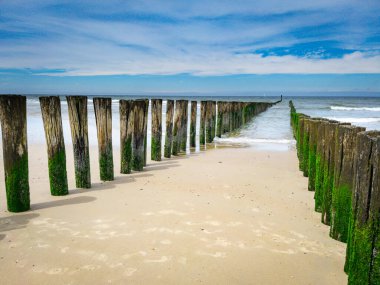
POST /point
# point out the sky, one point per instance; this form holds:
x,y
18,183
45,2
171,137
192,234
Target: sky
x,y
121,47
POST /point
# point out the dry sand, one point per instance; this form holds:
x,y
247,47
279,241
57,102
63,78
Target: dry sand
x,y
224,216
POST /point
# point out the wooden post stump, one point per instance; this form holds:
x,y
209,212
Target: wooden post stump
x,y
363,258
52,119
146,111
15,151
313,139
77,106
209,113
103,118
138,138
213,120
345,145
176,148
193,124
219,119
126,132
184,119
169,128
156,129
202,130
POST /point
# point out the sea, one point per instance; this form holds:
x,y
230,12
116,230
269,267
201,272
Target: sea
x,y
269,130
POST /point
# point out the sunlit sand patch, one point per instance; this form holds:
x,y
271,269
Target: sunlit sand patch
x,y
288,251
211,223
234,224
255,210
91,267
226,196
182,260
163,230
171,212
56,271
299,235
212,232
115,265
129,271
166,242
64,249
217,254
43,245
161,260
282,239
139,253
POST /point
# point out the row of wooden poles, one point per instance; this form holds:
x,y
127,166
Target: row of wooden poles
x,y
342,163
133,137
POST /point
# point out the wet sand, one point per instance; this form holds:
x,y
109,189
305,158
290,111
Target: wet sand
x,y
224,216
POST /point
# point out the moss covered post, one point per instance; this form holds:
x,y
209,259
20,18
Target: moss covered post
x,y
345,144
103,118
213,119
77,106
313,139
156,129
15,152
193,124
52,120
184,120
126,133
138,138
169,128
363,258
202,130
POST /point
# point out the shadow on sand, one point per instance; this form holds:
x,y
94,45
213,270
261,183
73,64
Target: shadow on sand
x,y
14,222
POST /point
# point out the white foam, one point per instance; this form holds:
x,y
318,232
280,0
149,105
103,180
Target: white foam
x,y
342,108
355,120
249,141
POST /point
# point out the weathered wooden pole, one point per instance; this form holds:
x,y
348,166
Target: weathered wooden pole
x,y
156,129
103,118
363,248
126,132
213,119
193,124
169,128
184,119
313,138
177,127
219,119
345,144
77,106
306,147
202,130
15,151
52,119
138,138
209,137
146,111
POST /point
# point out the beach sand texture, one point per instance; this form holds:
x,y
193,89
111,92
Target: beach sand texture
x,y
224,216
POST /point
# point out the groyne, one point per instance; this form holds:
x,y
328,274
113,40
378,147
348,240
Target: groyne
x,y
342,163
217,118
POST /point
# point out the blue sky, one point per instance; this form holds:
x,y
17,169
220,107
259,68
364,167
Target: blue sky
x,y
118,47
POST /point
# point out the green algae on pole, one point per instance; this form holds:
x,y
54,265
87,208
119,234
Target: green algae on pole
x,y
77,106
306,147
209,122
363,258
202,131
345,144
15,152
126,133
213,119
103,118
313,139
138,137
156,114
219,120
169,128
193,124
52,120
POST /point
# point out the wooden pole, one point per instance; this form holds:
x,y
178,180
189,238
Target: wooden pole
x,y
138,137
77,106
202,130
126,133
15,151
52,119
103,118
169,128
209,137
363,258
193,123
345,144
177,128
213,120
219,119
156,129
184,119
146,110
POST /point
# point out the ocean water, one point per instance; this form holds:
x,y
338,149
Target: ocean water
x,y
268,131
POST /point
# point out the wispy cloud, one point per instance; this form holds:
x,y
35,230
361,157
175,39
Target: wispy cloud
x,y
195,37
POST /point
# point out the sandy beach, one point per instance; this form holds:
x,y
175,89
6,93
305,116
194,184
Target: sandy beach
x,y
221,216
